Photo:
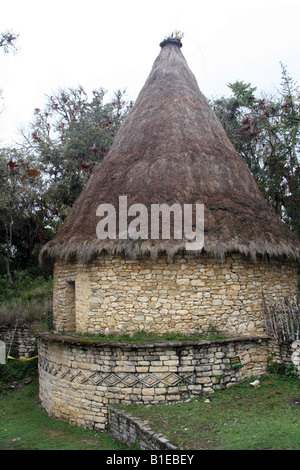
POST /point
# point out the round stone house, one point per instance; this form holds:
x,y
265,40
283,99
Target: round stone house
x,y
113,274
170,152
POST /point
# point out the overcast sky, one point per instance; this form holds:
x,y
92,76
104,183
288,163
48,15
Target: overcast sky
x,y
113,44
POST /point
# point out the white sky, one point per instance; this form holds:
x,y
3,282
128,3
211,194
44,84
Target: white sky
x,y
113,44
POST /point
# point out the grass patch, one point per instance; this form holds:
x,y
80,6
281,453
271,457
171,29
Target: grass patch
x,y
144,336
24,425
239,418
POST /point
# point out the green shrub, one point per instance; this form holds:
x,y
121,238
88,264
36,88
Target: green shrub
x,y
291,372
274,368
15,371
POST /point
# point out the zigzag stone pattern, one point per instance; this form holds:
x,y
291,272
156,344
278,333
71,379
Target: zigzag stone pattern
x,y
79,381
121,379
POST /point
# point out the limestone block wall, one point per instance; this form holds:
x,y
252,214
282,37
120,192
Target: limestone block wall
x,y
296,356
21,340
78,380
130,430
116,295
281,352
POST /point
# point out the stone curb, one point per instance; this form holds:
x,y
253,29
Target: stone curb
x,y
142,435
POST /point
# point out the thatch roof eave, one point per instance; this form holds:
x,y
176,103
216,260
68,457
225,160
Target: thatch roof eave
x,y
86,252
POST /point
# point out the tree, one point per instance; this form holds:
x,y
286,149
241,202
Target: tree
x,y
7,44
7,41
22,213
265,132
40,181
69,137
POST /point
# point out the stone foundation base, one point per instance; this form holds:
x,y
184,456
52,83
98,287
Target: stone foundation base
x,y
80,379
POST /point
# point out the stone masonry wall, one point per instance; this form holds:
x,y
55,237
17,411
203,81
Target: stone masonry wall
x,y
296,356
130,430
115,295
80,379
22,340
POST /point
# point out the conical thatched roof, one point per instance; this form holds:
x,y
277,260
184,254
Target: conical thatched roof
x,y
171,148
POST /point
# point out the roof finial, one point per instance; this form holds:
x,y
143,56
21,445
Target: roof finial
x,y
173,38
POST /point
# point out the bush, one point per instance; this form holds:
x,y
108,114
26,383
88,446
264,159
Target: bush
x,y
274,368
15,371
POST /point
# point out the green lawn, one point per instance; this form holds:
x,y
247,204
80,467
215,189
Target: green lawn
x,y
239,418
24,425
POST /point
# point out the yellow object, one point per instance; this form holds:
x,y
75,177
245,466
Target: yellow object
x,y
25,359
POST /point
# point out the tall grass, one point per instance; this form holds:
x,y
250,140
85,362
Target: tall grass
x,y
28,300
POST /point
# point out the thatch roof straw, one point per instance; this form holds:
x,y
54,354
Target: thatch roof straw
x,y
171,148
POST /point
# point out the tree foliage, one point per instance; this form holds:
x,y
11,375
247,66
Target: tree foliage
x,y
40,181
265,132
69,137
8,41
23,216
